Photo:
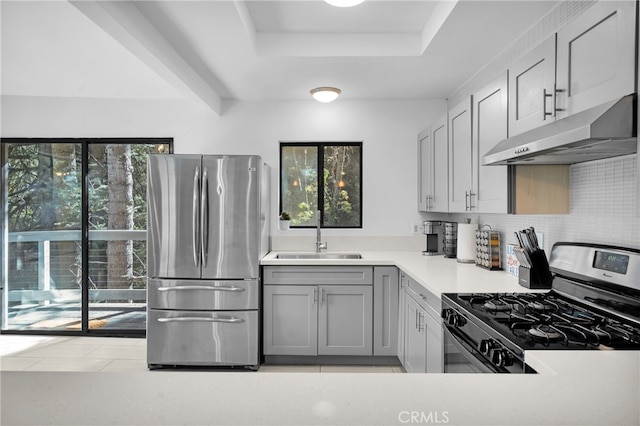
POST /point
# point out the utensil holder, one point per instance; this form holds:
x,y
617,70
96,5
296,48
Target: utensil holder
x,y
539,275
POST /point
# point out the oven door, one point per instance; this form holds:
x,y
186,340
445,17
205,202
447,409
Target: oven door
x,y
461,357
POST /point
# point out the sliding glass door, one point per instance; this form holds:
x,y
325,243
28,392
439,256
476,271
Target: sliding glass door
x,y
74,234
42,253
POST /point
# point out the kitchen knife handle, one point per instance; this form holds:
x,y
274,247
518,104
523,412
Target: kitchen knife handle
x,y
196,217
204,216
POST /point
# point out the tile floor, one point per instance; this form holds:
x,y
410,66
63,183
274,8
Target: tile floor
x,y
54,353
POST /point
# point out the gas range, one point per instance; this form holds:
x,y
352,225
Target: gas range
x,y
594,303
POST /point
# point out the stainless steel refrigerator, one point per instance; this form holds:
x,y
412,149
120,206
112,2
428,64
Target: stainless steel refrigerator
x,y
208,228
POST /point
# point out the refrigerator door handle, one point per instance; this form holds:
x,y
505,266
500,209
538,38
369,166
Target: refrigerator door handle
x,y
196,217
229,320
204,216
232,288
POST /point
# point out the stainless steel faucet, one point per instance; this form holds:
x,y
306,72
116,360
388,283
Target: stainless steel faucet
x,y
319,244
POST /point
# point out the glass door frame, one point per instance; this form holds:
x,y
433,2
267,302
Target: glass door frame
x,y
84,243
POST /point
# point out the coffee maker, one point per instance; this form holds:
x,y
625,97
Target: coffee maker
x,y
431,230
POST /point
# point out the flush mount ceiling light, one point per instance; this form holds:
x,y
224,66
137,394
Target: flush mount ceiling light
x,y
325,94
344,3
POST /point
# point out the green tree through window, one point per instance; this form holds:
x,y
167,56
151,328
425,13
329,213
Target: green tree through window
x,y
339,200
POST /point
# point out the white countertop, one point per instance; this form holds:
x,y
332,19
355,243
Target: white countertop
x,y
572,388
436,273
590,388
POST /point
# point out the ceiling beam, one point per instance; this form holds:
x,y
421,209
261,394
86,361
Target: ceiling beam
x,y
436,20
123,21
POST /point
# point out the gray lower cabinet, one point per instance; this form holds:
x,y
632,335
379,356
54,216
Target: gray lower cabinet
x,y
308,312
385,310
415,353
345,325
420,333
290,315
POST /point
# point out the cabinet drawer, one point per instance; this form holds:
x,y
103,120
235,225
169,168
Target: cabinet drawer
x,y
313,275
202,294
426,299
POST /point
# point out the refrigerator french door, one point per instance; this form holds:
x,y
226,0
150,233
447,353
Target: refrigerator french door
x,y
207,231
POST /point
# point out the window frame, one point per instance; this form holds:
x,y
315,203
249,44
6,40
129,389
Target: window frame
x,y
320,163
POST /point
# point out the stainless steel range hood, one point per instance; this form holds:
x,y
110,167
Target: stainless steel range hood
x,y
608,130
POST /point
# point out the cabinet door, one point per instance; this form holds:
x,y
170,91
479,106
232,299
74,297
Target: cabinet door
x,y
440,166
490,183
460,156
290,315
345,320
415,355
596,54
385,310
531,88
425,170
435,347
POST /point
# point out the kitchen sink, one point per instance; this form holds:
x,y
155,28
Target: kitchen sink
x,y
319,256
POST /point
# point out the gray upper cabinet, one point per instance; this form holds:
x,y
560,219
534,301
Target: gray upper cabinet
x,y
595,57
433,168
531,88
460,158
475,126
425,171
490,183
440,165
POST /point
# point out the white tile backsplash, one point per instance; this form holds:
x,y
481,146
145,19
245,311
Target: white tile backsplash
x,y
602,208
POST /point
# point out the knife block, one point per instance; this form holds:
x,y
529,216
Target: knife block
x,y
539,275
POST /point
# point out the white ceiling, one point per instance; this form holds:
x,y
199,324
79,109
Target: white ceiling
x,y
210,50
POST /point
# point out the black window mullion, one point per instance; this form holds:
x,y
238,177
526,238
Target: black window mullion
x,y
85,238
320,167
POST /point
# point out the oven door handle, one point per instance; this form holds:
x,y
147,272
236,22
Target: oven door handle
x,y
467,352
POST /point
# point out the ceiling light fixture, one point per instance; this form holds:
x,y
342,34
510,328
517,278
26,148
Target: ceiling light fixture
x,y
344,3
325,94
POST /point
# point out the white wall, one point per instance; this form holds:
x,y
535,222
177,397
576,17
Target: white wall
x,y
388,130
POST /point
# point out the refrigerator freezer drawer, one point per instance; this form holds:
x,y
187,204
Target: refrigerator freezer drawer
x,y
188,338
206,295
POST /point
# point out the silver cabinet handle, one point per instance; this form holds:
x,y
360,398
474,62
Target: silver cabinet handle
x,y
471,194
322,296
315,295
555,99
466,201
546,95
228,320
203,287
420,325
204,216
196,217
